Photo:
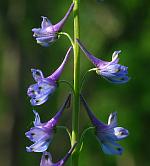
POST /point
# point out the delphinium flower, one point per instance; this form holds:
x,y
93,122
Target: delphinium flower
x,y
46,159
48,33
107,134
42,133
111,71
40,91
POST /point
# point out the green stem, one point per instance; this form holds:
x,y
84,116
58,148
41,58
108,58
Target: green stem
x,y
80,144
66,129
84,76
76,101
68,83
83,80
93,69
68,36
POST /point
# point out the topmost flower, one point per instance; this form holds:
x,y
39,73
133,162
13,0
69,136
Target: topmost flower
x,y
112,71
48,32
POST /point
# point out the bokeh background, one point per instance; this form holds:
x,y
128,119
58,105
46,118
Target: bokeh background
x,y
106,26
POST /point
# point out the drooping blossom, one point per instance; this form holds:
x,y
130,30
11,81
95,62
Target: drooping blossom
x,y
42,133
48,33
112,71
46,159
107,134
44,87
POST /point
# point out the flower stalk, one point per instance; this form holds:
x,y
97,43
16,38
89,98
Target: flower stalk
x,y
76,99
68,36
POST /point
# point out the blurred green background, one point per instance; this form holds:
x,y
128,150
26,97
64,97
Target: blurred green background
x,y
105,27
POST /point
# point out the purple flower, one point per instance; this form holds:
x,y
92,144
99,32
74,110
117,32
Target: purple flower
x,y
42,133
46,159
44,87
111,71
107,134
48,32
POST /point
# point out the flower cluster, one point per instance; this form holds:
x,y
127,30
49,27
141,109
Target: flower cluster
x,y
42,133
